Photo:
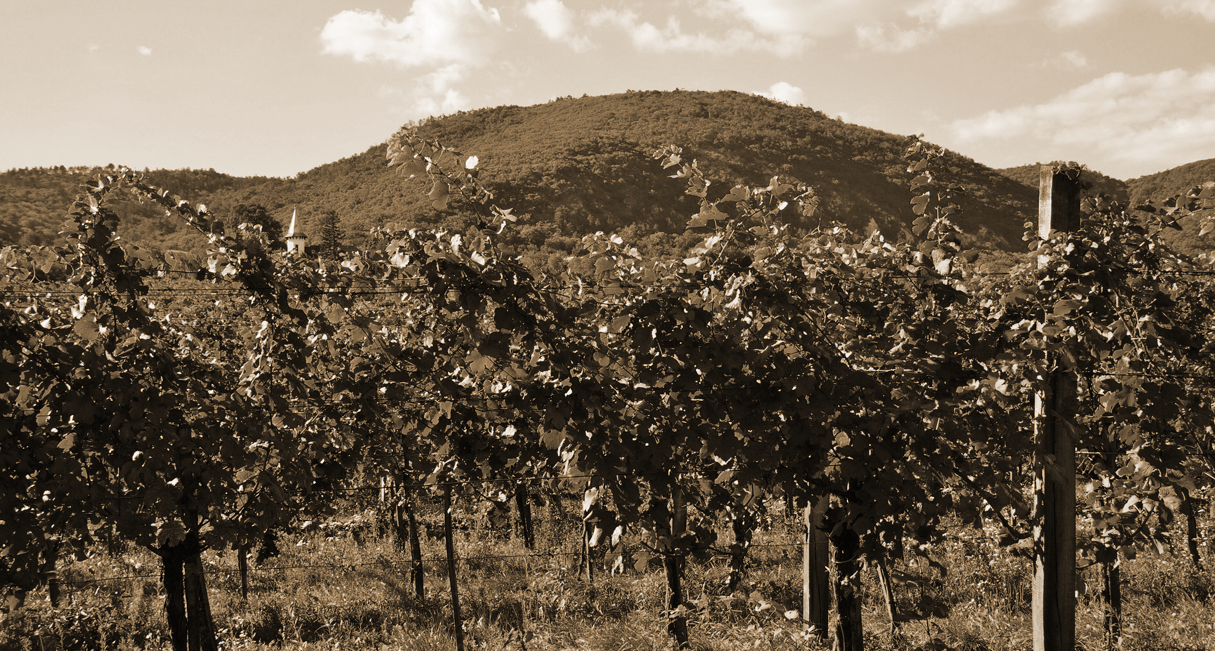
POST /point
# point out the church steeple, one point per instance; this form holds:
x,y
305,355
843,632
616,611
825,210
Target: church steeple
x,y
295,242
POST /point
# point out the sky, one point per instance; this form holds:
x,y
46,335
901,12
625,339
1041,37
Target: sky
x,y
250,87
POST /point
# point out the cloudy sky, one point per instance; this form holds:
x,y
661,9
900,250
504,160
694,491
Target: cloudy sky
x,y
247,87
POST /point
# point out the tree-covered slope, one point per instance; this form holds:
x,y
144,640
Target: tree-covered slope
x,y
574,166
34,204
1160,186
1178,180
1029,175
583,165
1155,188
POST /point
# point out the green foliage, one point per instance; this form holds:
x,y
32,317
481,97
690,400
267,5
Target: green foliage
x,y
1147,190
1159,186
330,227
579,165
1030,176
771,357
34,203
256,215
1102,305
143,420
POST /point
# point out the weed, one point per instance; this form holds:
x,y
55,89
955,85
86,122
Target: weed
x,y
347,585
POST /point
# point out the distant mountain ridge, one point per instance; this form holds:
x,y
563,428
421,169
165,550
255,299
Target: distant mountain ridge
x,y
578,165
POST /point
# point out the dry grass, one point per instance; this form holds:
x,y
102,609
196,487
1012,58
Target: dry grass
x,y
336,590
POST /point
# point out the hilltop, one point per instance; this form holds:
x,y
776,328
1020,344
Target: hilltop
x,y
579,165
575,166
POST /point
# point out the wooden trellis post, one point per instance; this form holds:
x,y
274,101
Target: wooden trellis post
x,y
672,563
242,565
458,628
1054,590
816,602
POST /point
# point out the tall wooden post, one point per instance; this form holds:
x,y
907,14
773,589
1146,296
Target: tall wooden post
x,y
52,573
588,565
1111,594
672,563
242,565
846,586
1054,590
524,506
415,552
816,601
200,626
457,621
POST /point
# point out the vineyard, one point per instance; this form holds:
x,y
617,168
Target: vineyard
x,y
873,398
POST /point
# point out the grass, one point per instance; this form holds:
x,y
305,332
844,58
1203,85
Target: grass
x,y
333,589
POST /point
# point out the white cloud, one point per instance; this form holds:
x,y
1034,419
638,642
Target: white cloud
x,y
448,36
788,27
444,79
806,19
449,102
671,38
1069,13
1070,60
557,22
876,23
432,94
436,32
416,106
884,26
1165,118
889,37
946,14
1073,59
145,51
1204,8
783,91
931,17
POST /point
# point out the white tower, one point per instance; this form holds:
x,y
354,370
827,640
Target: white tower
x,y
295,242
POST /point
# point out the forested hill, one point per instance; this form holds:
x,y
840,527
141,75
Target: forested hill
x,y
1154,187
574,166
1160,186
1030,175
583,165
1179,180
34,203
